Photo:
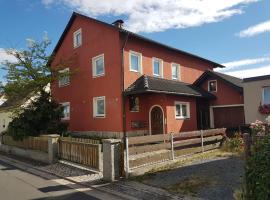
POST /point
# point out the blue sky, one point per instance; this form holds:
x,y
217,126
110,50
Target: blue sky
x,y
232,32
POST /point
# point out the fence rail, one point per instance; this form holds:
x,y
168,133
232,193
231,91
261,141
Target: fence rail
x,y
80,152
145,150
84,140
33,143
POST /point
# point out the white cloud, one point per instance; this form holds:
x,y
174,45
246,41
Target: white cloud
x,y
6,57
154,16
245,62
255,30
260,71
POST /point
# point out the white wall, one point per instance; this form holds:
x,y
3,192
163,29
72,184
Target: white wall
x,y
5,119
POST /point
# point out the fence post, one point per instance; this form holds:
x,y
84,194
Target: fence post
x,y
247,144
172,148
53,147
202,140
111,158
127,158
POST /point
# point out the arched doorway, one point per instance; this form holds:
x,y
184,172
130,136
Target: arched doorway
x,y
156,120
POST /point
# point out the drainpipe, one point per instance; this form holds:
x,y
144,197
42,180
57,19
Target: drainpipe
x,y
123,88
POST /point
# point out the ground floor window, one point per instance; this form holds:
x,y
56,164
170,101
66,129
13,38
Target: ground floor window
x,y
134,104
66,110
266,95
99,106
182,110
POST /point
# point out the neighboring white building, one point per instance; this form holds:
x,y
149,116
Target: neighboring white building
x,y
7,108
256,93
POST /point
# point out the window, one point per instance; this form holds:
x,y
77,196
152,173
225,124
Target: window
x,y
99,106
175,71
212,86
266,95
63,79
182,110
98,66
157,67
134,104
66,110
135,60
77,38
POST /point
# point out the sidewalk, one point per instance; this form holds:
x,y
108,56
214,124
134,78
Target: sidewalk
x,y
123,189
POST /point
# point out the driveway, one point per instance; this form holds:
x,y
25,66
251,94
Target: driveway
x,y
19,184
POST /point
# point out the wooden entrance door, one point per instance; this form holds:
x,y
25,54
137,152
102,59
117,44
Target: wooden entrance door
x,y
156,117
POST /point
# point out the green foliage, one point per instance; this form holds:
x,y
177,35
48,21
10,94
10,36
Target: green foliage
x,y
234,144
42,116
258,171
29,72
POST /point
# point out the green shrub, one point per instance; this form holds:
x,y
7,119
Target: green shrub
x,y
234,144
42,116
258,171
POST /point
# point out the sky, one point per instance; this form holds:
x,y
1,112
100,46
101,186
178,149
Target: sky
x,y
235,33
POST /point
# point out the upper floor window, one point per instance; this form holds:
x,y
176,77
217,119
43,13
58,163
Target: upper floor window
x,y
182,110
266,95
212,86
63,79
157,67
175,71
66,110
77,38
135,61
98,66
99,106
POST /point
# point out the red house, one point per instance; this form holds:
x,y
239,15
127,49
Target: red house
x,y
123,83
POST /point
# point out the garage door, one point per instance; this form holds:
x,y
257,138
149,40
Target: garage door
x,y
228,116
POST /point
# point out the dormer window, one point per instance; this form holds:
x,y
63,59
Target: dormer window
x,y
212,86
157,67
77,38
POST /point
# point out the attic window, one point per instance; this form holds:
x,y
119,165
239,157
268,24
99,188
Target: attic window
x,y
77,38
212,86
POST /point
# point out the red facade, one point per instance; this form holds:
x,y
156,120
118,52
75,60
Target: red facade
x,y
115,45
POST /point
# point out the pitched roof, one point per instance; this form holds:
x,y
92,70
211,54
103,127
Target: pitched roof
x,y
256,78
232,81
74,15
149,84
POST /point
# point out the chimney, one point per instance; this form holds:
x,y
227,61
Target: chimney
x,y
118,23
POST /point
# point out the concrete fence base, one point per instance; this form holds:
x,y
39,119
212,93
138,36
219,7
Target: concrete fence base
x,y
49,157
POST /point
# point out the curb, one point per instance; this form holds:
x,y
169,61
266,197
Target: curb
x,y
26,167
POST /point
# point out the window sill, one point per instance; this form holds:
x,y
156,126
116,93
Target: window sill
x,y
63,85
75,47
97,76
98,117
182,118
133,70
65,119
134,111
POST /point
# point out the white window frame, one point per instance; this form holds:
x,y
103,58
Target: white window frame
x,y
95,114
188,110
59,79
263,102
94,67
160,67
209,85
179,71
66,104
75,45
140,61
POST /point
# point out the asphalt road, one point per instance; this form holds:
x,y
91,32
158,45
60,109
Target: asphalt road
x,y
16,184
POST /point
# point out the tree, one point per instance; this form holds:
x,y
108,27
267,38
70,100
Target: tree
x,y
30,73
42,116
